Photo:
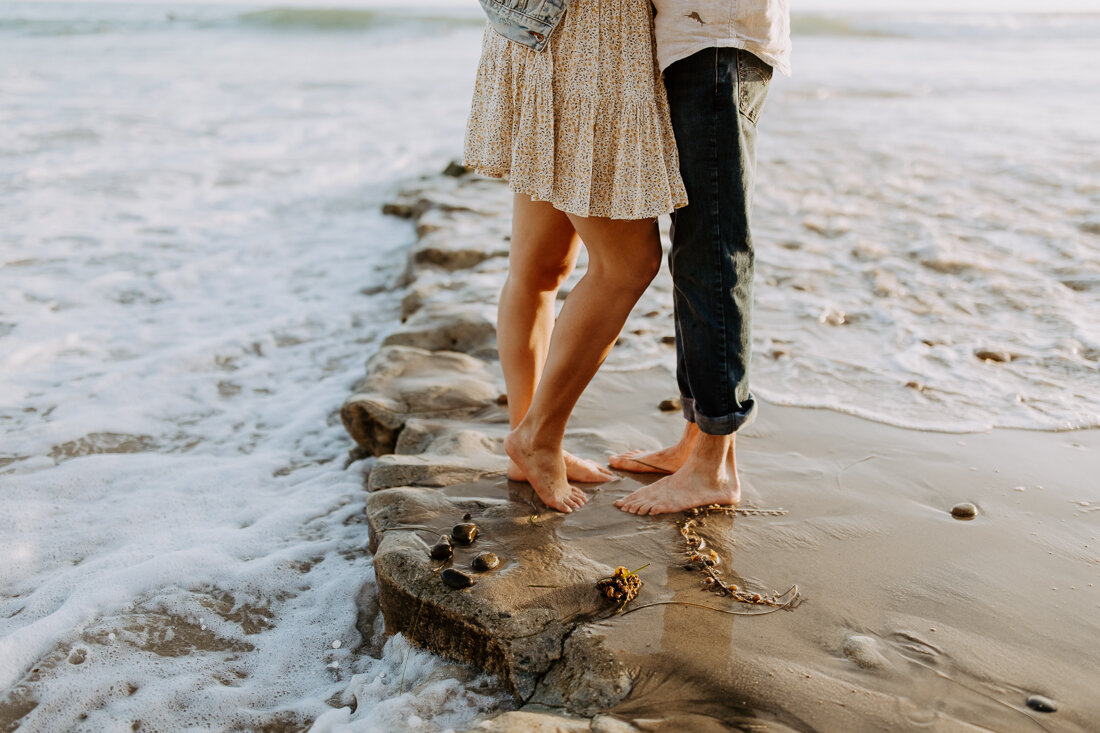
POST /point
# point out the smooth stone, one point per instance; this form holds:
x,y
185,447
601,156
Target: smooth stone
x,y
442,550
1042,704
465,533
486,561
998,355
965,510
669,405
456,579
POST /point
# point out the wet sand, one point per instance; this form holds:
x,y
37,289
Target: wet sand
x,y
908,618
945,622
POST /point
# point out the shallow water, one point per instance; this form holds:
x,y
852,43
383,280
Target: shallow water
x,y
917,214
191,218
193,268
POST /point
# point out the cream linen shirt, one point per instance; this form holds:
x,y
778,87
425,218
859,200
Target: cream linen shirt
x,y
761,27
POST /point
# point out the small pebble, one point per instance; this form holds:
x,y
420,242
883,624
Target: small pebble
x,y
464,534
336,644
998,355
486,561
442,550
965,510
1020,488
1042,704
669,405
456,578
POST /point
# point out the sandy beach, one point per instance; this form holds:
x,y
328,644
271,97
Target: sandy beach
x,y
906,617
213,214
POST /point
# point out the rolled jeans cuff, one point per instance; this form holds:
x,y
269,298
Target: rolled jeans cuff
x,y
724,425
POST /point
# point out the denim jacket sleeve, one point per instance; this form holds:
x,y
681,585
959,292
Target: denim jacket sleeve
x,y
529,22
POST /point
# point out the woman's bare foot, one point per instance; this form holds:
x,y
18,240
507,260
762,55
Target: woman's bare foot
x,y
545,470
708,477
581,470
665,460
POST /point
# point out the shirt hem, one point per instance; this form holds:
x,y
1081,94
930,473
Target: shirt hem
x,y
770,59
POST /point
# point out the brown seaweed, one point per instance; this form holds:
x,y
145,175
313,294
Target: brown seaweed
x,y
622,587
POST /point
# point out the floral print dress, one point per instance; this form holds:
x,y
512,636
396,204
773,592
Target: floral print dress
x,y
583,124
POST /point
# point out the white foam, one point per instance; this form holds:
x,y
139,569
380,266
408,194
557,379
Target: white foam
x,y
181,297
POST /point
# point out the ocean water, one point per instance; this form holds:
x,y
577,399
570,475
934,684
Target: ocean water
x,y
193,268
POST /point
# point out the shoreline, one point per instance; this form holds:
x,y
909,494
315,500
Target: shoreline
x,y
909,616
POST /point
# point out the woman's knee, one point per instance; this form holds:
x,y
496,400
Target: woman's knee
x,y
650,260
635,266
540,274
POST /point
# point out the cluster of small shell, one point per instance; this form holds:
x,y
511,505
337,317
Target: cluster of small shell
x,y
732,511
462,534
706,561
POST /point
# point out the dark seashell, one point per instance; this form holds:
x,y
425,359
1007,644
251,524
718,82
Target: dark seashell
x,y
1042,704
965,510
464,534
456,578
442,550
466,517
486,561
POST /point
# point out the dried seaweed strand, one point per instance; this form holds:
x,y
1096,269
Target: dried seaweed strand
x,y
726,611
706,562
735,511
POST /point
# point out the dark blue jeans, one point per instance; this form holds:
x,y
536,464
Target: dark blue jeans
x,y
715,97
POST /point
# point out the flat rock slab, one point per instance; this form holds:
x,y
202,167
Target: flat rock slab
x,y
403,382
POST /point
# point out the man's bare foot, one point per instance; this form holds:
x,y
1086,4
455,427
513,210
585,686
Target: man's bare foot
x,y
665,460
708,477
545,470
581,470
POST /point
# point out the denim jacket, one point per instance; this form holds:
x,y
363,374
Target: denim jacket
x,y
529,22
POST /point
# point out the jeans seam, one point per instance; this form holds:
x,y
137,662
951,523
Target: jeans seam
x,y
718,243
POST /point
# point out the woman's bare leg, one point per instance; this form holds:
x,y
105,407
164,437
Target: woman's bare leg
x,y
624,257
543,252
